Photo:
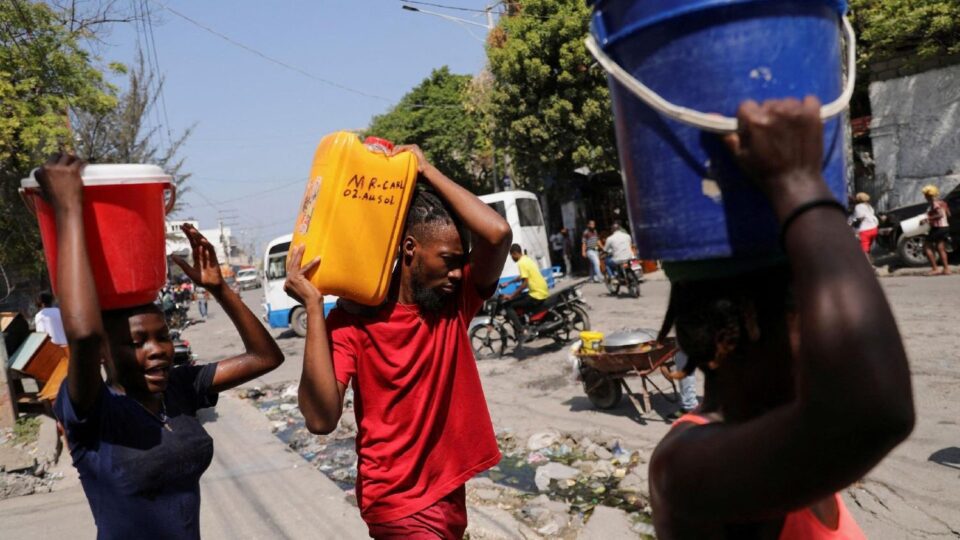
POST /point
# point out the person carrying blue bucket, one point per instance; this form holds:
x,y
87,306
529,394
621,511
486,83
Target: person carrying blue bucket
x,y
807,385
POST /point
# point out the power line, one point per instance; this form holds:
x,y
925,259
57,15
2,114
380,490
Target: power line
x,y
300,181
289,66
443,6
156,62
270,59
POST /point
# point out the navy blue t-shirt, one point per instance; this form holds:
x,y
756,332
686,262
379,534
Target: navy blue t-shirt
x,y
143,480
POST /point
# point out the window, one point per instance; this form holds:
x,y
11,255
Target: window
x,y
499,208
277,266
529,210
280,248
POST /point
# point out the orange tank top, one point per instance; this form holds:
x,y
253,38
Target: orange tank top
x,y
803,524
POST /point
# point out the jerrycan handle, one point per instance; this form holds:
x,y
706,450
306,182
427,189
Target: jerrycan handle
x,y
376,144
713,122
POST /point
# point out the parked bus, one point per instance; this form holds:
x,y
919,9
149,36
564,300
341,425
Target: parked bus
x,y
281,311
521,209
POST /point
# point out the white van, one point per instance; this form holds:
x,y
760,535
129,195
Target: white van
x,y
521,209
281,311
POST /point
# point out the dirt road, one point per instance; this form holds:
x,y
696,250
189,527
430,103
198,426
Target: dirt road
x,y
913,493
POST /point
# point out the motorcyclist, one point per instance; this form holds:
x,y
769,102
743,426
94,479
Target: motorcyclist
x,y
533,290
619,250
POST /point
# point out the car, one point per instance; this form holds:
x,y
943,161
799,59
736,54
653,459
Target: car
x,y
909,249
248,278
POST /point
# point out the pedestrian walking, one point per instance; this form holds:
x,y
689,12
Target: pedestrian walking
x,y
806,384
48,319
135,439
423,428
558,243
202,303
938,217
865,221
590,249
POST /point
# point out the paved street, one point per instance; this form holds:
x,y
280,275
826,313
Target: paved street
x,y
256,488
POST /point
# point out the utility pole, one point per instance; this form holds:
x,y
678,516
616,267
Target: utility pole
x,y
489,26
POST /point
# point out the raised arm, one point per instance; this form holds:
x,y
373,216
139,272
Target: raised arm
x,y
79,306
491,233
853,398
261,353
320,396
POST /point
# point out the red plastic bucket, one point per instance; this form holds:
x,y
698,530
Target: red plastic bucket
x,y
124,211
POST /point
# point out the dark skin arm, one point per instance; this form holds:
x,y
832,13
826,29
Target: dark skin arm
x,y
320,395
60,182
492,236
261,354
853,396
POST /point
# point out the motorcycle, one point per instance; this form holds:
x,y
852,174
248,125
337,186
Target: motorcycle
x,y
182,353
628,274
562,316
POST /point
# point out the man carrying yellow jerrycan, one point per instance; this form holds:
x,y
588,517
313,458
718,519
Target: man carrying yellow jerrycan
x,y
423,428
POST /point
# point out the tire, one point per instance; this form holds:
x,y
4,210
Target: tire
x,y
603,392
298,321
613,285
910,251
577,321
633,288
488,341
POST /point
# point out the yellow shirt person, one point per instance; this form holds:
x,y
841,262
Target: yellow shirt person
x,y
536,285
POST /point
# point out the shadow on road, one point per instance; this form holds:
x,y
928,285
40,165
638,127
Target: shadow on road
x,y
948,457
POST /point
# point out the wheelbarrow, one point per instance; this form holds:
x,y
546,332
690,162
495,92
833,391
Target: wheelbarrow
x,y
604,374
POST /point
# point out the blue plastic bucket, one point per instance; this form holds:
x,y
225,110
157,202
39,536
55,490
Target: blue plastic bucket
x,y
686,197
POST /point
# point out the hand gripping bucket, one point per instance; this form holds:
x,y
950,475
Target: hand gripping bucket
x,y
124,215
678,70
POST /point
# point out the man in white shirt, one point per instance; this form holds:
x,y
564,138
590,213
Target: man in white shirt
x,y
619,248
48,319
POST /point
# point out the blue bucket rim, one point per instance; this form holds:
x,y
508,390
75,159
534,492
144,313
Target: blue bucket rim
x,y
598,28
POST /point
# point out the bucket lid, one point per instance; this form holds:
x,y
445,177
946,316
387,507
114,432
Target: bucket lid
x,y
113,174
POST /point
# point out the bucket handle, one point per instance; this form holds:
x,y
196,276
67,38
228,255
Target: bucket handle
x,y
28,201
713,122
172,200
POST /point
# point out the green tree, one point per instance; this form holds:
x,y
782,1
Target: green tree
x,y
120,134
550,102
925,28
433,115
44,73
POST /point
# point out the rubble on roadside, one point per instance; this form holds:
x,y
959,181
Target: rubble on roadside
x,y
549,484
25,464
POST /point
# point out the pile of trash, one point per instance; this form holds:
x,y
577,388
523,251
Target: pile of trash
x,y
549,484
333,454
560,479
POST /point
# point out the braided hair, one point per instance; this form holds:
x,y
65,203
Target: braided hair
x,y
428,211
703,309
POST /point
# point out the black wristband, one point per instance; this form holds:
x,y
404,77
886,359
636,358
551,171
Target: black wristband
x,y
802,209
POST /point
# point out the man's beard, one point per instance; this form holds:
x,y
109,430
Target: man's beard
x,y
430,301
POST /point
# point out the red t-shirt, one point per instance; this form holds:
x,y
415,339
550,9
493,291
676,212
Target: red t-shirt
x,y
423,427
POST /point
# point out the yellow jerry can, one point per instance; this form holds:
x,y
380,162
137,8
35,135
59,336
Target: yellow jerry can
x,y
352,215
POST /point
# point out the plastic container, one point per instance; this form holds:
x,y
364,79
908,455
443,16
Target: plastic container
x,y
123,216
591,342
352,215
670,63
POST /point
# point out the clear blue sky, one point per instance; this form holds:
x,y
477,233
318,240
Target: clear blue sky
x,y
257,124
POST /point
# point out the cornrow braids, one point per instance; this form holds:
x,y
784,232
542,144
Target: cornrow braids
x,y
429,210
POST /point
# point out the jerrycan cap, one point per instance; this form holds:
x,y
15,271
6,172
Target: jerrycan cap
x,y
376,142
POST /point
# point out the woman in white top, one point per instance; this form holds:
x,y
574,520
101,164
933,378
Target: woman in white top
x,y
866,222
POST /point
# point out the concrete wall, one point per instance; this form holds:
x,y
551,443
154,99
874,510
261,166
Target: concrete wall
x,y
915,134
